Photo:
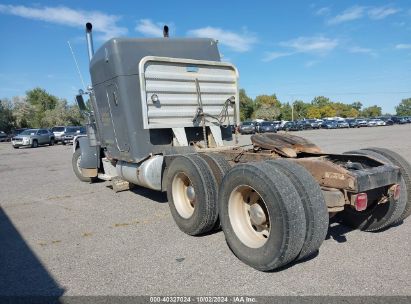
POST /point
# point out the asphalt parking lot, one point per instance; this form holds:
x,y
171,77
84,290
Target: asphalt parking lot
x,y
61,236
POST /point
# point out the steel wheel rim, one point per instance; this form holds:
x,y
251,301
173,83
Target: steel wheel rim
x,y
183,195
249,216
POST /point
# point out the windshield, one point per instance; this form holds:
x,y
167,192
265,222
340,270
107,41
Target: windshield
x,y
266,123
247,123
71,129
28,132
58,129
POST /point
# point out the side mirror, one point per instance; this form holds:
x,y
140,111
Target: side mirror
x,y
81,104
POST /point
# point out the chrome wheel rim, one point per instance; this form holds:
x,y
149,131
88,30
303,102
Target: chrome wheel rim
x,y
249,216
184,196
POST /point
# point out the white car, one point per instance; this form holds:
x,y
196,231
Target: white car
x,y
380,122
372,123
362,122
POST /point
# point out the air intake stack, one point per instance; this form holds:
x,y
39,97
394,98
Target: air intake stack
x,y
89,37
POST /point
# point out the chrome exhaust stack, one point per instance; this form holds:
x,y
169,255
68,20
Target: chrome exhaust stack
x,y
89,37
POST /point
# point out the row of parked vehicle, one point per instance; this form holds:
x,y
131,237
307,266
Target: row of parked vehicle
x,y
36,137
251,127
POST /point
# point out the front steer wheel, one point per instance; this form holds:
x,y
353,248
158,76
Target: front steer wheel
x,y
75,162
262,216
192,194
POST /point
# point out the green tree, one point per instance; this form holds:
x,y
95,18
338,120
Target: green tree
x,y
320,101
267,112
267,101
22,112
63,114
371,111
42,102
246,106
266,107
6,116
328,111
404,107
300,109
313,112
285,112
356,105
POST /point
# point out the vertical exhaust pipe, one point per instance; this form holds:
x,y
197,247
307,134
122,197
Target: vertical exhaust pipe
x,y
89,37
165,31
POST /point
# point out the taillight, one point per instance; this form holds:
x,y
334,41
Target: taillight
x,y
360,202
395,191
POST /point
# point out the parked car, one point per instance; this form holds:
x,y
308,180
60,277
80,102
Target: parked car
x,y
247,127
314,123
388,121
33,138
59,131
352,123
266,127
292,126
342,124
329,124
70,133
4,136
372,123
277,125
305,124
16,132
362,122
380,122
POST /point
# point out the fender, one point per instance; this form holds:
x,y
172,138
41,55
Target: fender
x,y
90,156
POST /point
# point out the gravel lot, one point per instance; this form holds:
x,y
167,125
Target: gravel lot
x,y
61,236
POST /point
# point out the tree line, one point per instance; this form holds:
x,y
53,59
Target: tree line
x,y
37,109
268,107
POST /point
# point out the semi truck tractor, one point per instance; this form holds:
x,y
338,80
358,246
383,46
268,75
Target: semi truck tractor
x,y
161,117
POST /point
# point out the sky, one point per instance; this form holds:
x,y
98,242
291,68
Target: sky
x,y
346,50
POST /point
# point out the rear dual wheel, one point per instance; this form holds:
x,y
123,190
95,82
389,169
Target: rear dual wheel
x,y
315,208
192,194
405,169
262,216
377,216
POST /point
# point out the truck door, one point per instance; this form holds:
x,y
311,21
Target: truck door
x,y
117,119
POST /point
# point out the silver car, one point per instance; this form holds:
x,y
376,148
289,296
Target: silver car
x,y
33,138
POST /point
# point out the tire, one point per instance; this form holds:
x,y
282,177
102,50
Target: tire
x,y
275,235
16,147
63,142
197,215
219,166
315,208
405,169
34,144
75,162
51,142
378,216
